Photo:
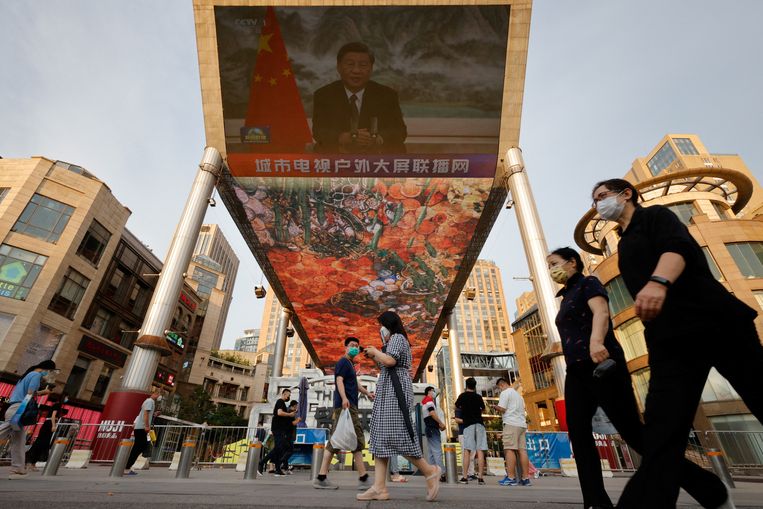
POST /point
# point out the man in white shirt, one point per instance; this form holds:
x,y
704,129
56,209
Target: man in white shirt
x,y
141,428
512,406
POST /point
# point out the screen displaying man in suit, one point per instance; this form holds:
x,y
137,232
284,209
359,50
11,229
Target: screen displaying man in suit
x,y
355,114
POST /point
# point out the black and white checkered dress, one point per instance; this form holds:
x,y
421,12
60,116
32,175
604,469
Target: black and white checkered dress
x,y
389,435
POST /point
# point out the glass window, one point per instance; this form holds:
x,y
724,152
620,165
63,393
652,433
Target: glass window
x,y
18,271
129,258
101,321
711,263
619,298
748,257
3,192
740,448
114,288
718,388
661,159
77,377
207,280
44,218
69,295
757,293
92,245
685,146
102,385
720,210
641,385
631,338
684,211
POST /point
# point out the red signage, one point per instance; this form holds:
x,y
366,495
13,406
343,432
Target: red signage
x,y
186,300
101,351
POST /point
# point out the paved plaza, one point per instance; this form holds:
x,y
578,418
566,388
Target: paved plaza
x,y
226,488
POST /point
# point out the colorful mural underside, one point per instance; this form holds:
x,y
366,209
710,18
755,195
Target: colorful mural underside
x,y
346,249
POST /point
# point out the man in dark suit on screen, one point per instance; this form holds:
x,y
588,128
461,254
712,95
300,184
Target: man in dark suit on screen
x,y
355,114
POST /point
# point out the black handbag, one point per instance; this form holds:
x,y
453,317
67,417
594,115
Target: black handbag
x,y
31,413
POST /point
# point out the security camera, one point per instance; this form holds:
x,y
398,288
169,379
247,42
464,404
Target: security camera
x,y
212,202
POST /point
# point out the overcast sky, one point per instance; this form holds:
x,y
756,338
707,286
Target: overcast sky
x,y
114,87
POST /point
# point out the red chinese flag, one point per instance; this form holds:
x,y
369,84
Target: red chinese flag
x,y
274,101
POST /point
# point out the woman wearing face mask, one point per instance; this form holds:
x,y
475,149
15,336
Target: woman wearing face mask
x,y
391,428
28,385
585,329
692,323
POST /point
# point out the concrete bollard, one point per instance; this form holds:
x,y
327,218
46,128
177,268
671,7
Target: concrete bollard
x,y
451,465
186,460
120,459
315,465
252,461
720,467
55,457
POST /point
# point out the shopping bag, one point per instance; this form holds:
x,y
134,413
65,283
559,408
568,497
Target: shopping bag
x,y
26,414
344,437
152,436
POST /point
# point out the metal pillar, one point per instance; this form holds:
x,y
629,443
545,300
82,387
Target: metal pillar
x,y
186,459
144,360
55,457
252,461
280,347
120,460
536,251
451,468
317,460
454,351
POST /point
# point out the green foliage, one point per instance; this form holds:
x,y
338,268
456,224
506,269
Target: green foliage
x,y
199,408
231,357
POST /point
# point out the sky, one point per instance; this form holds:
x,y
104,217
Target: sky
x,y
113,86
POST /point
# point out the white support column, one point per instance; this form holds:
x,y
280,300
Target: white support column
x,y
536,251
454,351
152,343
280,346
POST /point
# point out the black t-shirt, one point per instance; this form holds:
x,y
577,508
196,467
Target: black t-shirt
x,y
696,301
471,405
280,423
575,319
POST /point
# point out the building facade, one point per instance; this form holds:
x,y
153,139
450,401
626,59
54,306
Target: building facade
x,y
296,356
60,226
720,201
248,342
212,245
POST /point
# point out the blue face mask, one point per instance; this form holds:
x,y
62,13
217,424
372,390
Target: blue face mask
x,y
353,351
44,373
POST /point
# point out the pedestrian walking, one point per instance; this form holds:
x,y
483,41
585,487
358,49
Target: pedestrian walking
x,y
280,427
472,405
391,427
457,417
40,448
685,311
28,385
511,406
141,429
292,433
346,397
588,339
433,428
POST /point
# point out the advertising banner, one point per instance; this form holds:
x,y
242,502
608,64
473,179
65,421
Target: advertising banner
x,y
546,449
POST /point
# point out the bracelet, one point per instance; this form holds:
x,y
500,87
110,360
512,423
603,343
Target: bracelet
x,y
661,280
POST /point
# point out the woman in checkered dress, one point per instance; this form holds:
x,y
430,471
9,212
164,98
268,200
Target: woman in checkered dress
x,y
389,432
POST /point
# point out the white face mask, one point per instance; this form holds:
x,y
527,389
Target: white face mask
x,y
159,399
609,208
385,334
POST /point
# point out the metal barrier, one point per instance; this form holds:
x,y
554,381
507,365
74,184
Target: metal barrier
x,y
55,456
317,460
224,445
451,467
253,461
186,459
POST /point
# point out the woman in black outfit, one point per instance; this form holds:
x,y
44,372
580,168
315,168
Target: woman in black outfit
x,y
585,329
41,446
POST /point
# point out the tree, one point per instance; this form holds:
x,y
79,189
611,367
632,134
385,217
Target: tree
x,y
199,408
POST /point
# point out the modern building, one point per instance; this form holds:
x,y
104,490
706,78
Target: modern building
x,y
240,383
248,342
296,356
720,201
212,245
60,226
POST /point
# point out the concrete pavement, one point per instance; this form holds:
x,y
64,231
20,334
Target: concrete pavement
x,y
225,488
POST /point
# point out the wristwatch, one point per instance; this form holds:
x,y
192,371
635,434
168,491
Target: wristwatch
x,y
661,280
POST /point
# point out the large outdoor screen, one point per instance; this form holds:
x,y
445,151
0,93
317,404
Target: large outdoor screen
x,y
362,144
